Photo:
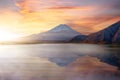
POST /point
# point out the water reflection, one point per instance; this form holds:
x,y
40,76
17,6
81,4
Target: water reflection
x,y
59,62
50,50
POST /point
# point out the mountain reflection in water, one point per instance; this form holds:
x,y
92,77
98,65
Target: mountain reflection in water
x,y
59,62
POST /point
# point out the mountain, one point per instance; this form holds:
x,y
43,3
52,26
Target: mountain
x,y
61,33
78,38
110,34
116,38
62,27
64,33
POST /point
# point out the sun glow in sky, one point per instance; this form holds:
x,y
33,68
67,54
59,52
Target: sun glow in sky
x,y
8,36
28,17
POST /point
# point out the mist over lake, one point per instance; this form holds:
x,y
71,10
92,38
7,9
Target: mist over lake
x,y
59,62
59,39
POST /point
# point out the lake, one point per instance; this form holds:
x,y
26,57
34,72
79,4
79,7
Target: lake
x,y
59,62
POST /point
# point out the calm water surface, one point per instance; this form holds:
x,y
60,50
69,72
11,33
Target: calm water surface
x,y
59,62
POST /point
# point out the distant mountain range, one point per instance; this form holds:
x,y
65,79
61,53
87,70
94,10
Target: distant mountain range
x,y
65,34
61,33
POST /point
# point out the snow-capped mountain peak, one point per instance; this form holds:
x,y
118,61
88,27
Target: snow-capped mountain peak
x,y
62,27
61,32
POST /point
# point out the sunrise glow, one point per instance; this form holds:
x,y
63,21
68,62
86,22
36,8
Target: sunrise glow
x,y
7,35
35,16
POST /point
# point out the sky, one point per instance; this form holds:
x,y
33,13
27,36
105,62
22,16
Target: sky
x,y
27,17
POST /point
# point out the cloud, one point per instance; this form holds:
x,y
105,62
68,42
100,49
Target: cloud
x,y
86,16
72,8
91,24
34,5
8,5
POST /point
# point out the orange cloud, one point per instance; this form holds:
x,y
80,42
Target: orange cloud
x,y
47,17
42,15
72,8
92,24
34,5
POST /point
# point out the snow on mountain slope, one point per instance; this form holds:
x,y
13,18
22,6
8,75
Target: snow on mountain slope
x,y
63,27
60,33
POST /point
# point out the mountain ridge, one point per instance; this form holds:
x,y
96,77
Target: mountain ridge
x,y
104,36
64,33
60,33
109,35
62,27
